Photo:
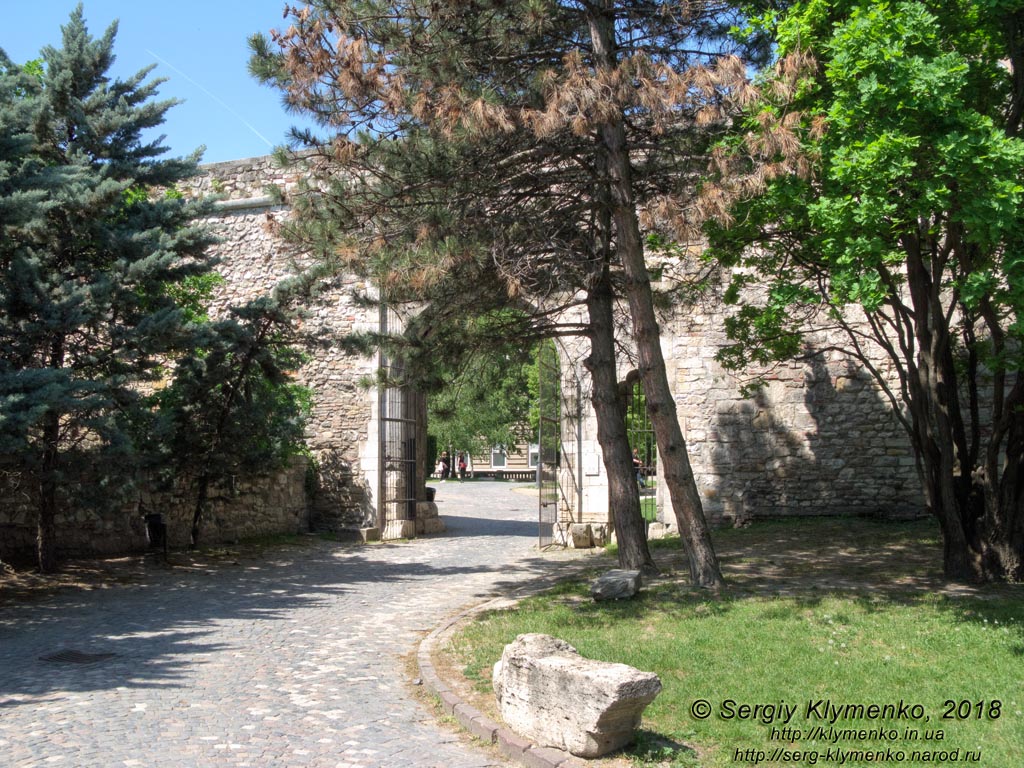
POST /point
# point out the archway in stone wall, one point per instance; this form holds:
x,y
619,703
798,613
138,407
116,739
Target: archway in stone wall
x,y
368,444
816,439
560,440
550,451
579,482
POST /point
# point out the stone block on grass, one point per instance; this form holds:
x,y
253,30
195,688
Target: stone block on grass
x,y
549,693
615,585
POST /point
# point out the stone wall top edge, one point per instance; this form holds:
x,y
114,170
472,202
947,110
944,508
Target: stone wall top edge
x,y
222,164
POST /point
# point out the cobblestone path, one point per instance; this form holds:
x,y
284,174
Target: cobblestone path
x,y
290,660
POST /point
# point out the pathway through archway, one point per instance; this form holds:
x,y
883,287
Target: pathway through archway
x,y
292,659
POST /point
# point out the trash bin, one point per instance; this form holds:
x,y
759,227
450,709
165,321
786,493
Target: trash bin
x,y
431,492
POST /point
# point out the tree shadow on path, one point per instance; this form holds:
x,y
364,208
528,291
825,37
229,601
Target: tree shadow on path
x,y
167,620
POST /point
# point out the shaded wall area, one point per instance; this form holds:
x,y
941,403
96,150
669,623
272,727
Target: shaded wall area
x,y
243,507
819,438
337,493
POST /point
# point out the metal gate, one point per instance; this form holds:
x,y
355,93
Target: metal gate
x,y
398,408
644,446
560,468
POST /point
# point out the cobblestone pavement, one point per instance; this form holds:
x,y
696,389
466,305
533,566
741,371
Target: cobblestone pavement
x,y
290,660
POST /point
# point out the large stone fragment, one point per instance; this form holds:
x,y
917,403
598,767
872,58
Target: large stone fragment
x,y
582,535
615,585
426,509
429,525
549,693
427,519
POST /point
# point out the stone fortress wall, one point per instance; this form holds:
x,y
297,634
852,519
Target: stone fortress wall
x,y
819,439
341,434
244,507
333,494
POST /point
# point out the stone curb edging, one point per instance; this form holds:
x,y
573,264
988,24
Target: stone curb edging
x,y
509,743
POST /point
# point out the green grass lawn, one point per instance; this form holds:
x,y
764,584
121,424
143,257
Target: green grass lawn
x,y
848,612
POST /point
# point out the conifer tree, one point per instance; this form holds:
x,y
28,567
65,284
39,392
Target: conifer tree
x,y
527,137
88,252
232,407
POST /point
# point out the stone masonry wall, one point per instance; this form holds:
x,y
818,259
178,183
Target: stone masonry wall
x,y
340,434
247,507
241,508
819,438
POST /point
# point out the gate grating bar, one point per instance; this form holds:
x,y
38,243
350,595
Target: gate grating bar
x,y
398,406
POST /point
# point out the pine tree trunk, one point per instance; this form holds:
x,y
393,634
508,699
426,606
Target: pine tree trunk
x,y
679,479
197,513
46,525
623,494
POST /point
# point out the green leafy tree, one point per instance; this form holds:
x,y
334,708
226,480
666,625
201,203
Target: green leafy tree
x,y
486,402
85,265
876,190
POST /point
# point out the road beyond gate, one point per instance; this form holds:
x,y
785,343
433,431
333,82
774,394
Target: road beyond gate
x,y
292,659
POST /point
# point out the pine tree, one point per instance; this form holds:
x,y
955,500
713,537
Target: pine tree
x,y
88,254
526,138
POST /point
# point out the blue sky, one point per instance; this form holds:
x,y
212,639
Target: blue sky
x,y
199,47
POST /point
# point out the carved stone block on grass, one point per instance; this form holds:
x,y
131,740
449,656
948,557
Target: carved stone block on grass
x,y
549,693
615,585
